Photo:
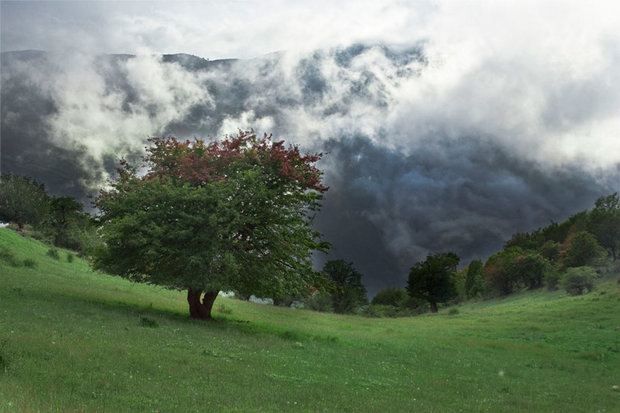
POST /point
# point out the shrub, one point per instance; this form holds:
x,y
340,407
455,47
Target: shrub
x,y
70,257
53,253
393,296
319,302
578,280
380,310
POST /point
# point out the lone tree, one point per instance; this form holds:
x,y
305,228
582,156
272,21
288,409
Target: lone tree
x,y
432,280
348,291
233,214
604,222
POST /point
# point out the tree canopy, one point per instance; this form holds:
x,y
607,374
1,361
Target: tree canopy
x,y
233,214
431,279
348,291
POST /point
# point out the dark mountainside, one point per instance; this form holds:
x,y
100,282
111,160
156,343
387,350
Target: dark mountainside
x,y
390,201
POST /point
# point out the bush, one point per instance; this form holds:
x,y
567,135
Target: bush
x,y
393,296
319,302
70,257
53,253
380,311
578,280
552,279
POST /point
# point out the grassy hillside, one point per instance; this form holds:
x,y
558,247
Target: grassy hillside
x,y
75,340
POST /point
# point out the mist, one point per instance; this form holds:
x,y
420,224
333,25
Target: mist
x,y
448,132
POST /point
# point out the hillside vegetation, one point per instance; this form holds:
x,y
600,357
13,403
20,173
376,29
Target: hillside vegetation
x,y
75,340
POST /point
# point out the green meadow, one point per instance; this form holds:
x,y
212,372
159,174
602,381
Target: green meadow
x,y
75,340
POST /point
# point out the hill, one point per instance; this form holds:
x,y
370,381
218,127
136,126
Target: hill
x,y
75,340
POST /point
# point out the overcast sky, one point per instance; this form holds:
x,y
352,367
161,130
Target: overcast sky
x,y
520,96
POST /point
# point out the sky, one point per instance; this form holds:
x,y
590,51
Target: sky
x,y
447,124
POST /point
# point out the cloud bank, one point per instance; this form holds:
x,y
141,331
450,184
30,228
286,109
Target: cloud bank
x,y
447,125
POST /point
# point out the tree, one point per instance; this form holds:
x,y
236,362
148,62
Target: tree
x,y
581,249
348,292
604,222
474,281
431,279
233,215
22,200
393,296
66,222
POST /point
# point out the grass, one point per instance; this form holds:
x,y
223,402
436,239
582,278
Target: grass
x,y
75,340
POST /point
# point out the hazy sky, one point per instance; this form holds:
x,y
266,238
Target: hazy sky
x,y
457,123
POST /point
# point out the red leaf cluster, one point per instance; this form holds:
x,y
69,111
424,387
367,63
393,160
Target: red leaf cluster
x,y
197,162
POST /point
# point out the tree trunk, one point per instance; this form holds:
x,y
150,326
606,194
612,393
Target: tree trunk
x,y
433,307
201,309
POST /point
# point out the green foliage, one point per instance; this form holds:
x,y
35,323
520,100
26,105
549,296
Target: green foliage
x,y
53,253
604,222
347,291
22,200
550,250
582,249
579,280
394,296
232,215
514,269
432,279
475,284
552,279
526,241
319,302
70,257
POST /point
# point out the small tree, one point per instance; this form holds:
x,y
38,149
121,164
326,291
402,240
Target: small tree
x,y
474,281
22,200
581,249
578,280
604,222
229,215
348,291
432,280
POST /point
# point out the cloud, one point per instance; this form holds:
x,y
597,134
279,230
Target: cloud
x,y
448,125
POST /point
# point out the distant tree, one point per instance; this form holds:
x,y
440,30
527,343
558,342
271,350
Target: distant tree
x,y
232,215
578,280
526,240
474,281
550,251
65,222
604,222
432,279
581,249
22,200
348,292
514,269
499,274
393,296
